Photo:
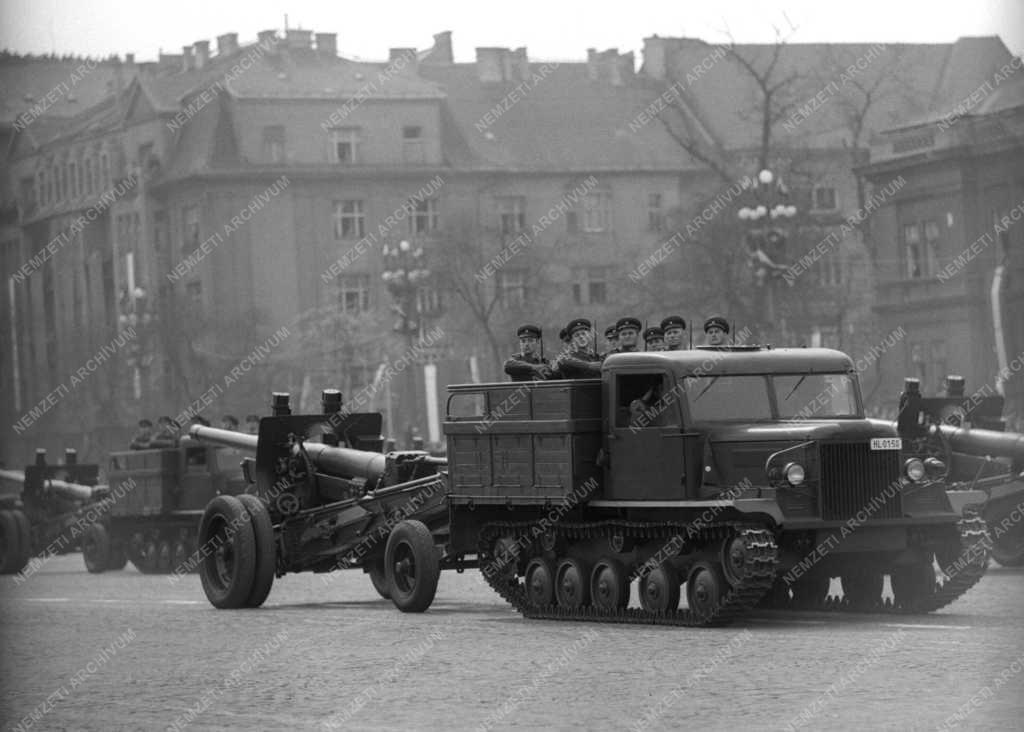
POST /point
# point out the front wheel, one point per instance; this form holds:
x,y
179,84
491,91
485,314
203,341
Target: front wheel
x,y
379,578
412,565
227,539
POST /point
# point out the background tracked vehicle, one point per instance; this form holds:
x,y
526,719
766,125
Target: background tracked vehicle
x,y
42,512
983,464
155,519
740,475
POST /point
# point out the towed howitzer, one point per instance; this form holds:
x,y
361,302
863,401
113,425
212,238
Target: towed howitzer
x,y
982,464
324,497
43,515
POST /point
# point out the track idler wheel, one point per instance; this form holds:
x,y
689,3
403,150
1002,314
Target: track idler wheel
x,y
572,584
862,587
379,577
228,540
609,585
659,589
540,583
266,550
705,589
96,549
413,566
912,583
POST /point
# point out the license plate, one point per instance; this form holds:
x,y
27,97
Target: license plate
x,y
886,443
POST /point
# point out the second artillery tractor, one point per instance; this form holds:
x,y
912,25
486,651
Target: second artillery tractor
x,y
710,480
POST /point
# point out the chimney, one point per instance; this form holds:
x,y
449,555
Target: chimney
x,y
520,64
227,44
656,57
188,62
129,58
202,54
408,56
489,66
441,53
327,44
169,60
626,67
267,38
299,40
593,72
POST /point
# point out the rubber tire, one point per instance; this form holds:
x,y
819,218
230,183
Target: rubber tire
x,y
617,576
416,537
266,550
227,512
96,549
25,531
10,535
1008,553
379,577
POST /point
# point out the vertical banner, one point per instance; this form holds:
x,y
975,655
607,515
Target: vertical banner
x,y
12,296
430,389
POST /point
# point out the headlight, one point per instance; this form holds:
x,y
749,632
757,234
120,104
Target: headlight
x,y
794,473
914,469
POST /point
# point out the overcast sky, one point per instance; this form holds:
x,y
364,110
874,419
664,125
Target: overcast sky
x,y
549,29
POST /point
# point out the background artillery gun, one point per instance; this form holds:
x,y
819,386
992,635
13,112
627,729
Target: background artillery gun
x,y
324,498
983,464
45,513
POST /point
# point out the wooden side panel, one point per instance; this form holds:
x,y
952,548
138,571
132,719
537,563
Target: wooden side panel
x,y
553,457
512,464
469,462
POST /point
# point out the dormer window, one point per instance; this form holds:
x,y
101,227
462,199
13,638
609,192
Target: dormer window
x,y
344,145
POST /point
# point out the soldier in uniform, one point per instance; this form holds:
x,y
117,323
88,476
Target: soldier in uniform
x,y
198,419
229,422
716,328
528,364
628,329
252,424
611,338
581,362
144,436
166,434
674,327
654,339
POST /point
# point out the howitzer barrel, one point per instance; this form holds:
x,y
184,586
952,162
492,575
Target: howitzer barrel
x,y
75,491
345,460
14,476
985,442
226,438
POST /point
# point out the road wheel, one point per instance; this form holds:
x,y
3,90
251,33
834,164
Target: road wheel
x,y
572,584
266,551
659,590
912,583
413,567
705,589
227,538
540,583
96,548
379,577
10,543
609,585
862,587
734,560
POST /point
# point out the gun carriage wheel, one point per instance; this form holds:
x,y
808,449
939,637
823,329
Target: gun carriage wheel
x,y
228,570
96,549
379,577
15,544
266,551
413,566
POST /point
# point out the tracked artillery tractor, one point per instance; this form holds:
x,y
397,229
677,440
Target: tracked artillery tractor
x,y
709,480
982,464
44,515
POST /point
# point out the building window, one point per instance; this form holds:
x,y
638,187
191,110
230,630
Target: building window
x,y
428,301
425,217
597,212
655,215
273,144
190,229
512,288
931,248
349,221
90,182
194,291
912,246
344,145
354,293
829,270
28,193
825,198
44,192
73,179
590,286
412,144
511,214
104,172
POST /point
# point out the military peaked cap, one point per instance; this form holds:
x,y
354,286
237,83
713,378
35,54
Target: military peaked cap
x,y
563,335
716,321
578,324
610,332
673,321
529,331
628,322
145,423
653,332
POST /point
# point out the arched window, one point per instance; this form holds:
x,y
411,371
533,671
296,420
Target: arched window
x,y
74,180
43,195
55,187
104,172
90,183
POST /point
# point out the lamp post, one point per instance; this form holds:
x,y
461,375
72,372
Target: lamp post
x,y
766,210
404,274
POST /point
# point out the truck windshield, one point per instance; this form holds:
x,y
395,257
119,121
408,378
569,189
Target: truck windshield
x,y
812,396
728,398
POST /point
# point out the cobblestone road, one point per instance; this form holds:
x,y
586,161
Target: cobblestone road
x,y
129,651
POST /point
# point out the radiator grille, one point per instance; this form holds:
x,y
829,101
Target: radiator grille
x,y
855,478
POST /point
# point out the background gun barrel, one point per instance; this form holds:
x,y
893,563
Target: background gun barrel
x,y
226,438
981,442
14,476
346,461
75,491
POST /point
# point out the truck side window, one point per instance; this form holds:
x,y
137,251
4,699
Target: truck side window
x,y
645,400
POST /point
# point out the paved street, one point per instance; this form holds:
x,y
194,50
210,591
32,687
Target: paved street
x,y
128,651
